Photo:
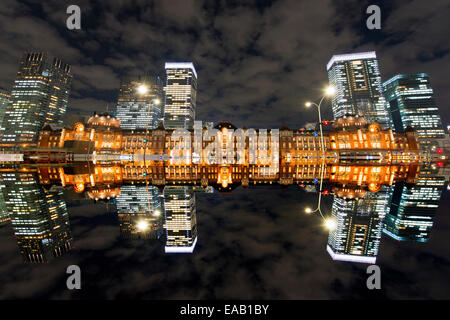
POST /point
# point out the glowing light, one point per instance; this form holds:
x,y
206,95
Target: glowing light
x,y
142,89
308,210
157,213
157,102
308,104
330,224
142,225
330,91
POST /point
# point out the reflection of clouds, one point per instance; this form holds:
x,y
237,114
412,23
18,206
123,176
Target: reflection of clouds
x,y
248,248
97,238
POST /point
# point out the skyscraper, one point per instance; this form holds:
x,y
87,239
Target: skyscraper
x,y
5,100
40,95
411,104
413,207
180,219
359,224
140,212
140,104
180,95
39,217
357,80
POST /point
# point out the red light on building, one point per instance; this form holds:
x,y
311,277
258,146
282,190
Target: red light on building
x,y
440,164
439,151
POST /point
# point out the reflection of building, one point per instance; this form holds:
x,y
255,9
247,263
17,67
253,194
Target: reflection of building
x,y
359,224
180,95
140,110
180,220
413,207
357,80
4,215
140,211
411,103
40,95
39,218
295,155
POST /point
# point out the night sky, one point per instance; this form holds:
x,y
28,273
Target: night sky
x,y
257,63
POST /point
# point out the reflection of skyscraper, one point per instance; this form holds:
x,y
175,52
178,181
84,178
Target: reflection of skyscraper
x,y
39,218
4,215
180,220
412,104
140,108
180,95
357,80
40,95
140,212
359,226
413,207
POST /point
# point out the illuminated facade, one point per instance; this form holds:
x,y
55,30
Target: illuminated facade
x,y
359,221
40,95
5,101
180,215
180,95
291,156
411,103
414,206
140,212
39,217
140,110
357,80
4,215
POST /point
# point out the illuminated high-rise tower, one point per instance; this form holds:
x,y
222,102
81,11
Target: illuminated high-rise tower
x,y
5,101
40,95
140,212
411,103
39,217
357,80
180,219
140,104
359,224
180,95
413,207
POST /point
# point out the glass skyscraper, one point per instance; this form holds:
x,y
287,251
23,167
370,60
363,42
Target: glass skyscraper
x,y
357,80
39,217
411,103
180,95
5,101
359,225
140,212
40,95
180,219
140,109
413,207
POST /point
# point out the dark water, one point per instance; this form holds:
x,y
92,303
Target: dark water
x,y
252,243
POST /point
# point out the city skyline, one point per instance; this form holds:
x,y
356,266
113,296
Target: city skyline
x,y
215,150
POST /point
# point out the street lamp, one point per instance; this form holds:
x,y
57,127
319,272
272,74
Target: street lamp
x,y
142,89
142,225
330,224
329,92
